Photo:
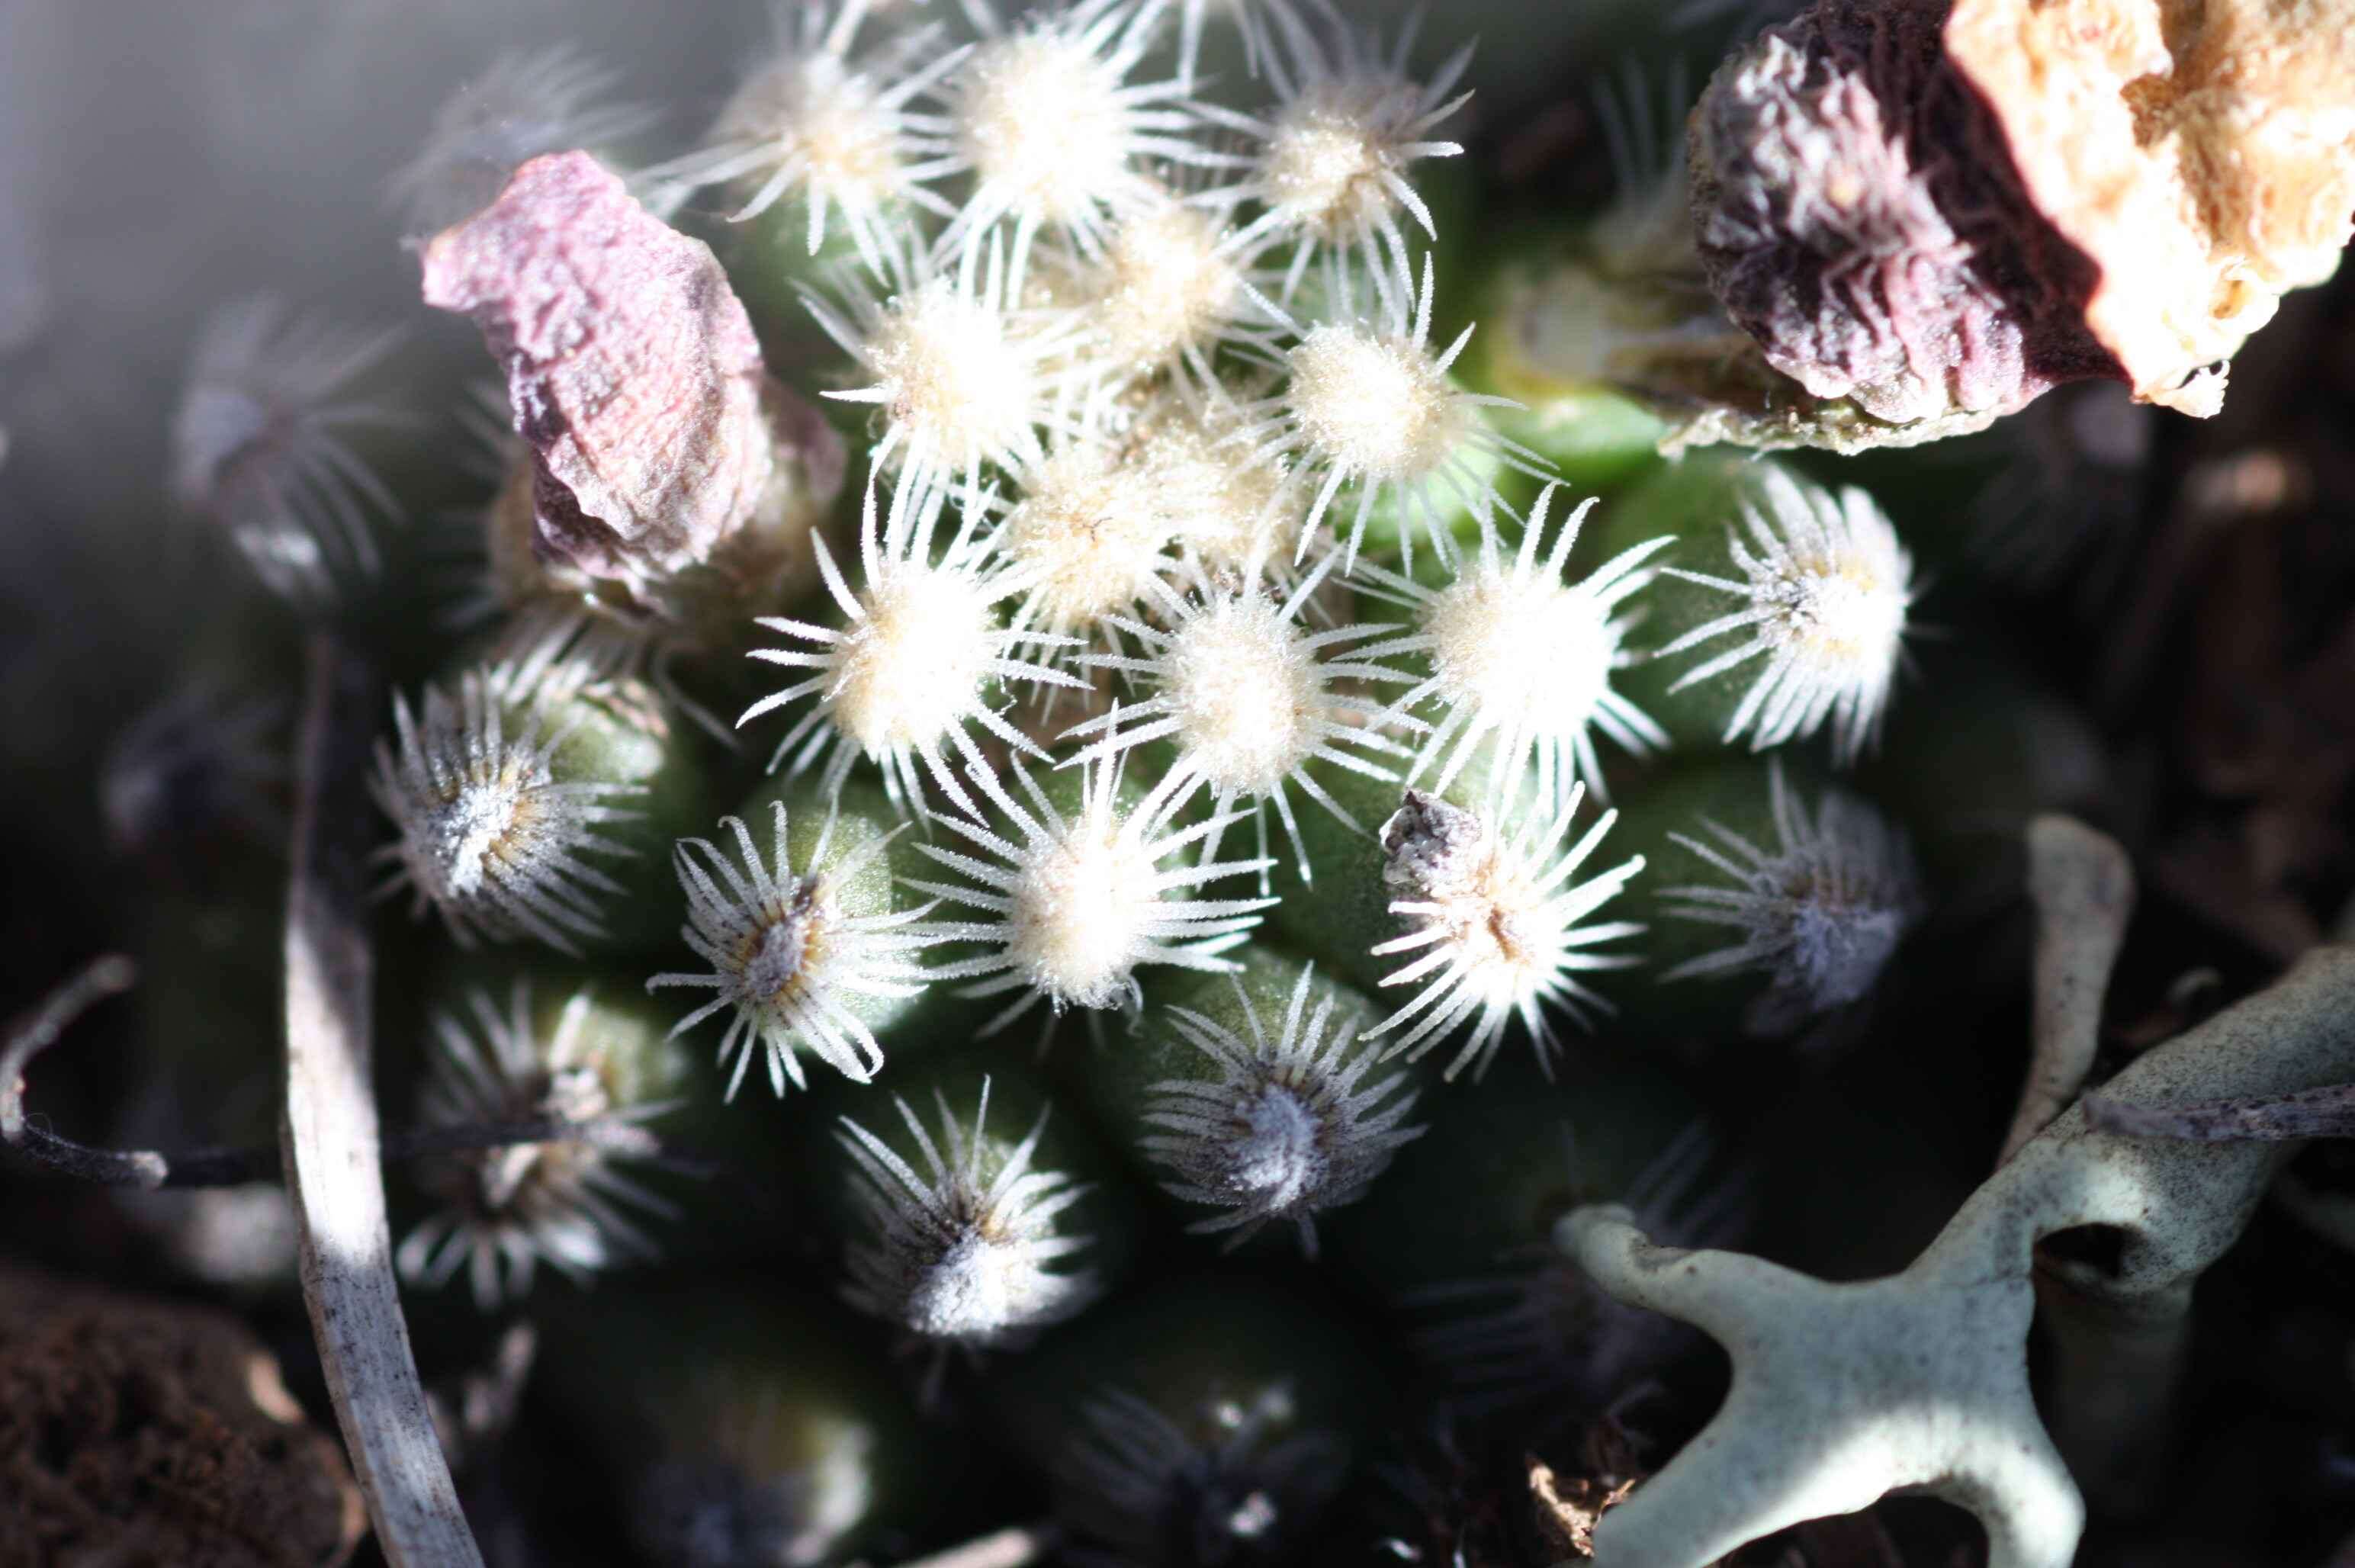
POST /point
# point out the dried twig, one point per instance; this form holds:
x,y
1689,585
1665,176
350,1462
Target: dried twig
x,y
153,1170
148,1169
330,1137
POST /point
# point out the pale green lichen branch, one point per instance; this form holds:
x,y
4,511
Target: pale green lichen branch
x,y
2083,889
1844,1392
1841,1394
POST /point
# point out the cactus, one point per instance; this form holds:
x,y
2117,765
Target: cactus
x,y
1301,824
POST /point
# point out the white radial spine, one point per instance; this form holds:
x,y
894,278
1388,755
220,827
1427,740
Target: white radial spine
x,y
1820,912
1249,698
505,1211
969,1247
524,104
1366,401
1823,595
835,130
1495,928
785,956
488,835
1524,660
962,381
1289,1128
1328,171
260,444
1072,907
1043,115
903,679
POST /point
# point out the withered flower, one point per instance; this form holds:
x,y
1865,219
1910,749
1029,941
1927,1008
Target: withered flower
x,y
1928,212
632,368
1856,213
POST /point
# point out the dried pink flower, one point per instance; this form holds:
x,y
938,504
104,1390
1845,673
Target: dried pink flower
x,y
632,369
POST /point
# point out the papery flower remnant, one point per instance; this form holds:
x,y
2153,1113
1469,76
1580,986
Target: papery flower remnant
x,y
656,434
1935,211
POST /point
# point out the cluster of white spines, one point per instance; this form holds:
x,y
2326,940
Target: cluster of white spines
x,y
1169,288
960,382
817,123
525,102
1328,164
1249,697
1494,921
793,963
1367,401
1043,115
488,835
507,1209
1099,411
910,670
1288,1128
1820,912
970,1249
1522,659
1823,595
1078,904
261,448
1090,536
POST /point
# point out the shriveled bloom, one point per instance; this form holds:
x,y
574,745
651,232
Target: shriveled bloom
x,y
502,1212
1249,697
1519,654
491,835
818,124
1072,906
1819,912
1328,165
1823,596
786,956
1494,924
525,102
960,383
1056,136
1289,1128
262,450
921,646
971,1248
631,370
1368,403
